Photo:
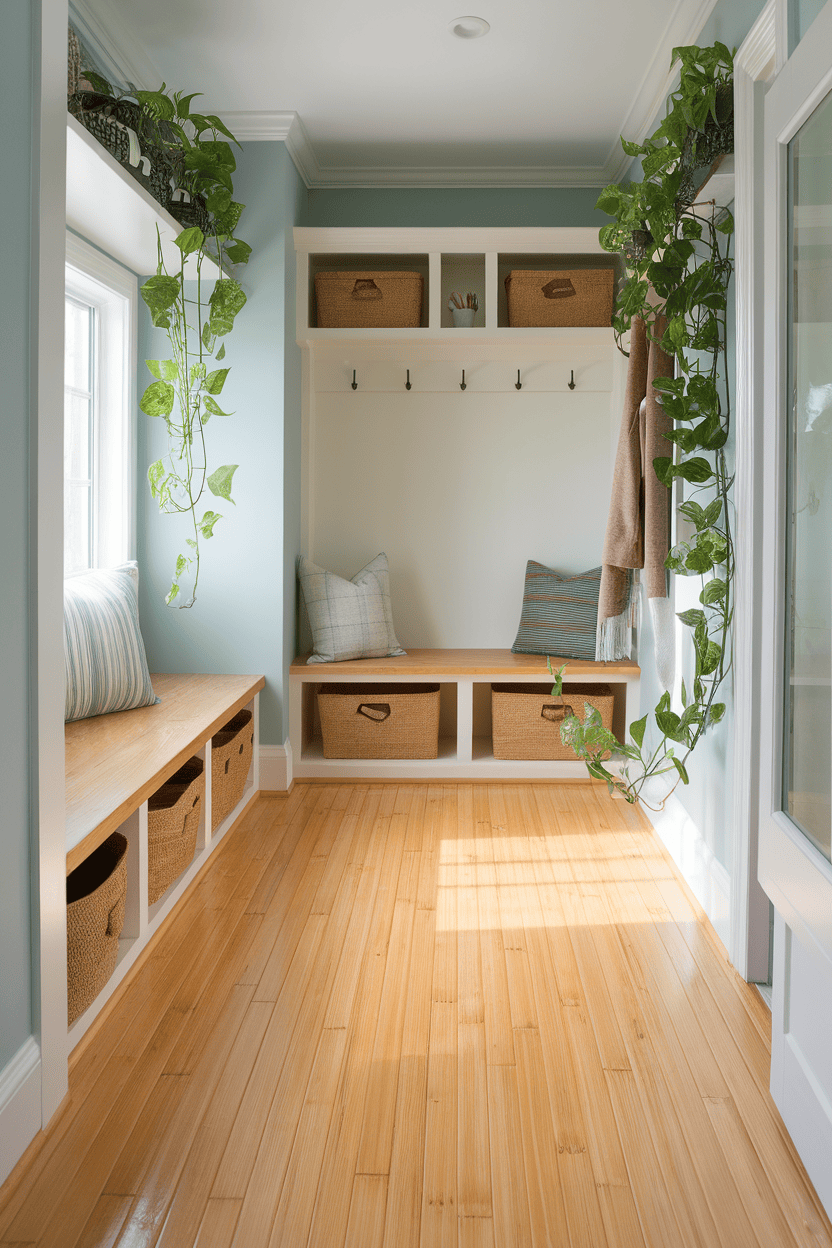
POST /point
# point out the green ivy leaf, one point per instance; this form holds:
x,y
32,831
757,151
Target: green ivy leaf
x,y
190,240
696,471
664,469
692,511
219,482
213,407
215,381
699,561
206,524
716,712
693,618
160,293
227,298
156,475
238,252
709,657
221,353
680,767
165,370
172,593
181,564
714,591
158,399
637,730
684,693
669,724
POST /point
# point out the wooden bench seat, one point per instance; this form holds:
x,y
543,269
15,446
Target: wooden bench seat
x,y
115,762
465,751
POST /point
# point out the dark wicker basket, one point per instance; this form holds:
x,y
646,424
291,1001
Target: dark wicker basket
x,y
173,814
190,212
232,750
110,121
96,893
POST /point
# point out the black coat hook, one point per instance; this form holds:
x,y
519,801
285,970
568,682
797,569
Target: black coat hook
x,y
571,382
518,385
354,382
407,383
462,383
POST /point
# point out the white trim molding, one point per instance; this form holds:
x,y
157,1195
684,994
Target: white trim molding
x,y
20,1113
707,878
754,65
276,767
121,58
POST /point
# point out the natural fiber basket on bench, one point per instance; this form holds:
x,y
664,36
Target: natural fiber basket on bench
x,y
232,749
578,297
96,893
526,719
173,814
368,300
379,721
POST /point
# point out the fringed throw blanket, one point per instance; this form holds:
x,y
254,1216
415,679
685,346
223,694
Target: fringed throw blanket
x,y
639,518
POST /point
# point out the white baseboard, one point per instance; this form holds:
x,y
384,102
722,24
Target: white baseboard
x,y
276,767
707,879
20,1109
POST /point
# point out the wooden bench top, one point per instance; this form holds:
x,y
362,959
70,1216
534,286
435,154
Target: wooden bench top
x,y
115,762
465,663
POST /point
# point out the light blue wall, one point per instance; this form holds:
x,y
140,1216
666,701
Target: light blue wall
x,y
501,206
243,619
16,85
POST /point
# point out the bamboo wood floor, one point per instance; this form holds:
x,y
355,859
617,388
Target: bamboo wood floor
x,y
406,1016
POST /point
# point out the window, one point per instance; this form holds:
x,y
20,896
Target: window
x,y
99,401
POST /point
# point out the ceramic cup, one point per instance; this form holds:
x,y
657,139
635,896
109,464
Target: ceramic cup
x,y
463,317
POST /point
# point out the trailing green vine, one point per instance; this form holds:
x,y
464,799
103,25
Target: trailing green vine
x,y
186,388
685,258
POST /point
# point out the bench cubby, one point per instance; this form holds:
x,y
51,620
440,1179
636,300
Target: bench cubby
x,y
114,763
464,678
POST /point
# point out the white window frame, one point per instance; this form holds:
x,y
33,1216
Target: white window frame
x,y
112,291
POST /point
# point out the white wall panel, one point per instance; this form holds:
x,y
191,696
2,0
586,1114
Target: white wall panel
x,y
461,489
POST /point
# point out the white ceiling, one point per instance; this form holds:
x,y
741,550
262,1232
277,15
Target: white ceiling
x,y
380,93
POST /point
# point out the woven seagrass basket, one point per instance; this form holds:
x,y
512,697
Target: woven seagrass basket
x,y
573,297
379,721
369,300
173,814
232,749
96,893
526,719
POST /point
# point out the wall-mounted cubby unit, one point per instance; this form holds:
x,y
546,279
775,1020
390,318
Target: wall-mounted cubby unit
x,y
456,259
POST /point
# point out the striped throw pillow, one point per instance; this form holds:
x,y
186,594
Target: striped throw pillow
x,y
560,614
106,665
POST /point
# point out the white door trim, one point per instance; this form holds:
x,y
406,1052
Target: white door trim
x,y
754,66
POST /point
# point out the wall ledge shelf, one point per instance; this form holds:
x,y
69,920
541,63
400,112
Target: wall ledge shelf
x,y
109,208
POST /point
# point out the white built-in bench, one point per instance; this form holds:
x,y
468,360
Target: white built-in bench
x,y
114,763
465,678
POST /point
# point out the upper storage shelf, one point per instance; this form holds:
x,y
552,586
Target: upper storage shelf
x,y
110,209
469,261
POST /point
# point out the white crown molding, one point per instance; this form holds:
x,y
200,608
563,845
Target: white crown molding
x,y
124,58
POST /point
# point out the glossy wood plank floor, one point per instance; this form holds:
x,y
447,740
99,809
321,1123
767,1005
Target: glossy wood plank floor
x,y
415,1015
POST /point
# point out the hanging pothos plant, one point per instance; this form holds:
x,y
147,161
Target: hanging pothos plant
x,y
187,387
685,257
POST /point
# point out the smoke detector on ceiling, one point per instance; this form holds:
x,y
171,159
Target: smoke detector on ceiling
x,y
469,27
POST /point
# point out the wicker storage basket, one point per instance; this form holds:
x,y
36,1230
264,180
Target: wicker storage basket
x,y
571,297
96,892
232,749
380,721
172,824
369,300
526,719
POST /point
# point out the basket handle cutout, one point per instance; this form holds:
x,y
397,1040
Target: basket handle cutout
x,y
377,711
555,714
558,288
111,923
196,801
227,761
241,747
365,288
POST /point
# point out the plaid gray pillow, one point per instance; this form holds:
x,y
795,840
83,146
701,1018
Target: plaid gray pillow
x,y
349,619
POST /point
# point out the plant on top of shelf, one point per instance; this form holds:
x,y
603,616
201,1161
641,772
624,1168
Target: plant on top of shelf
x,y
684,256
200,165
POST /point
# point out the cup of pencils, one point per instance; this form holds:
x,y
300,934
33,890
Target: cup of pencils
x,y
464,308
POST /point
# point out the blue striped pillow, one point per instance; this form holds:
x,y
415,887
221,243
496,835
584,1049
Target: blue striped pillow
x,y
560,614
106,665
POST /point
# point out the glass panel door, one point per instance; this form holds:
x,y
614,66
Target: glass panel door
x,y
807,736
